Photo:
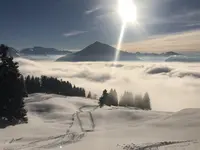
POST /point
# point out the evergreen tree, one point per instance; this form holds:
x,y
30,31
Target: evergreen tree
x,y
44,85
115,100
3,51
112,98
131,99
12,89
139,102
83,92
27,83
146,101
89,95
109,99
127,99
103,98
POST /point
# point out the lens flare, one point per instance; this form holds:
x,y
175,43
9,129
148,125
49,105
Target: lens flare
x,y
120,42
127,11
119,47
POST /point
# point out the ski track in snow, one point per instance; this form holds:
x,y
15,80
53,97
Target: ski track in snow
x,y
61,140
172,145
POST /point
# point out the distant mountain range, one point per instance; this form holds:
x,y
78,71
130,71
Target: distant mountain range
x,y
99,52
103,52
165,54
182,58
43,51
95,52
13,52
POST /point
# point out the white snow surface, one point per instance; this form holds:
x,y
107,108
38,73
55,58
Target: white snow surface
x,y
58,122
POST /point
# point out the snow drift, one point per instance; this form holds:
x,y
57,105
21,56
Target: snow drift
x,y
72,123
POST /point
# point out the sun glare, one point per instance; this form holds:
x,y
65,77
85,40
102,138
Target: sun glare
x,y
127,10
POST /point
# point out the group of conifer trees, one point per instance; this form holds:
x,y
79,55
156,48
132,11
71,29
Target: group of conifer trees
x,y
52,85
126,100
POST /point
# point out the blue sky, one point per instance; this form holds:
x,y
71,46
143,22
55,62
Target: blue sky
x,y
74,24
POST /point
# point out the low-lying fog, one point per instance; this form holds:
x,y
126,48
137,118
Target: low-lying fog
x,y
171,86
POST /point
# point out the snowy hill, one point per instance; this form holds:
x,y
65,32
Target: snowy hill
x,y
57,122
165,54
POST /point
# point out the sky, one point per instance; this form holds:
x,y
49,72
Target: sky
x,y
73,24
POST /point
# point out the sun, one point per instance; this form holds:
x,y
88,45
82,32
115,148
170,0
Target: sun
x,y
127,10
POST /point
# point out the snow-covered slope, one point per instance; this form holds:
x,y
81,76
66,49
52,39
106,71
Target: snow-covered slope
x,y
74,123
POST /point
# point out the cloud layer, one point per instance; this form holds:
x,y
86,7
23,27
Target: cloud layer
x,y
90,11
171,86
184,41
74,33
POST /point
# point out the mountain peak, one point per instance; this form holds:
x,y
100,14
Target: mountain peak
x,y
97,48
37,47
98,52
97,43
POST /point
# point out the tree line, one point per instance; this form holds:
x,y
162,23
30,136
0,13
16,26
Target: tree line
x,y
126,100
52,85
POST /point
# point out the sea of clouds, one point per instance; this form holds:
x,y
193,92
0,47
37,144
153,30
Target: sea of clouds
x,y
171,86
